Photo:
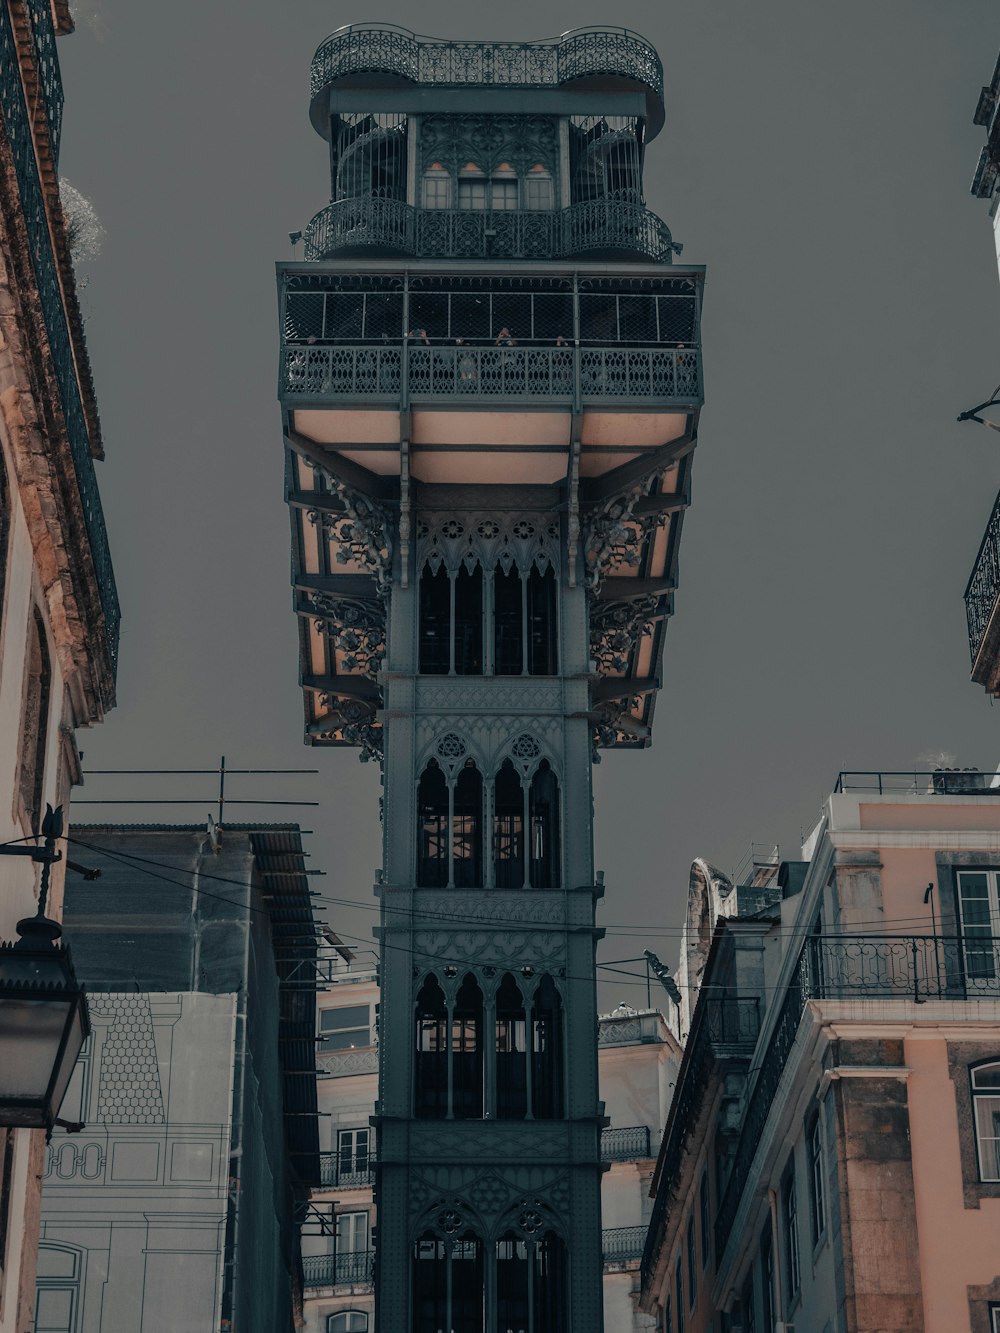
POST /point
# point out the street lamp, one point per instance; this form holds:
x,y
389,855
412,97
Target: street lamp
x,y
43,1010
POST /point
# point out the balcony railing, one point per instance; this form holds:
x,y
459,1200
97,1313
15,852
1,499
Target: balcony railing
x,y
343,1064
17,124
453,233
620,1244
362,48
625,1145
353,1173
882,967
927,782
339,1270
653,374
984,583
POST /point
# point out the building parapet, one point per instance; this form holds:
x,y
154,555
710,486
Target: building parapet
x,y
342,1064
927,782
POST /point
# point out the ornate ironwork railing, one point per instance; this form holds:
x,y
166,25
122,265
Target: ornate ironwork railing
x,y
984,583
625,1145
18,128
619,1244
884,967
462,233
336,1270
660,374
362,48
47,63
354,1173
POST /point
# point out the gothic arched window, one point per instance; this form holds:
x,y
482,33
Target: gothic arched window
x,y
35,719
542,622
538,188
508,828
543,815
551,1293
432,828
469,622
467,828
430,1096
508,622
448,1283
547,1052
436,187
435,622
511,1052
447,601
467,1052
531,1282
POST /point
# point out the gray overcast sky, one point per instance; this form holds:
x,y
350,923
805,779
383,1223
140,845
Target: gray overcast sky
x,y
817,158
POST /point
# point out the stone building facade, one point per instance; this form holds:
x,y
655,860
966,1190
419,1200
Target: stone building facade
x,y
490,382
831,1160
58,607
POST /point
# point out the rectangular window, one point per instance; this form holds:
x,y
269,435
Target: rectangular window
x,y
679,1293
472,194
995,1319
345,1029
817,1185
352,1233
537,191
692,1263
668,1318
705,1207
503,194
980,918
352,1152
437,190
766,1280
790,1219
747,1309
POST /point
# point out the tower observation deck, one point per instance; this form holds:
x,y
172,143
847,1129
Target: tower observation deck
x,y
490,379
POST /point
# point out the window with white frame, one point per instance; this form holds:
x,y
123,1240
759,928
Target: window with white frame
x,y
347,1321
352,1233
504,191
345,1029
436,187
995,1318
472,189
353,1152
790,1219
986,1113
817,1185
979,912
538,189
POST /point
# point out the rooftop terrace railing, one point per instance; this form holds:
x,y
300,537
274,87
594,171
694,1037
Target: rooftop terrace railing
x,y
462,233
984,583
376,48
17,123
917,968
927,782
337,1270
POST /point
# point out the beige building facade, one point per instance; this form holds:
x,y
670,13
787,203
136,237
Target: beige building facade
x,y
837,1168
58,607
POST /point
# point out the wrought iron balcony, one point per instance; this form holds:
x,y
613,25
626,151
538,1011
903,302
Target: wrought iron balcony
x,y
916,968
625,1145
622,1244
320,375
584,53
339,1270
392,226
981,601
352,1174
18,127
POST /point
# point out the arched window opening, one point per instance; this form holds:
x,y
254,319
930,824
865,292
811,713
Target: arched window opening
x,y
430,1101
986,1108
35,720
448,1284
513,1296
551,1293
542,622
547,1052
511,1053
543,811
508,829
467,1052
347,1321
435,622
469,622
432,828
508,623
467,828
430,1285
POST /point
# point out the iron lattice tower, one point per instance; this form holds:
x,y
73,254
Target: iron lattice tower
x,y
490,381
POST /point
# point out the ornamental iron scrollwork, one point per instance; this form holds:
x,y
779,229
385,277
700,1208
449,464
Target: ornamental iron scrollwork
x,y
362,535
615,629
356,628
492,540
608,729
614,537
490,142
353,723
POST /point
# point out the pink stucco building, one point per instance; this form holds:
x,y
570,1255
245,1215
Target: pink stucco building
x,y
832,1158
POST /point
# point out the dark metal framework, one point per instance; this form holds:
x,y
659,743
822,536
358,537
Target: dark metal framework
x,y
984,583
